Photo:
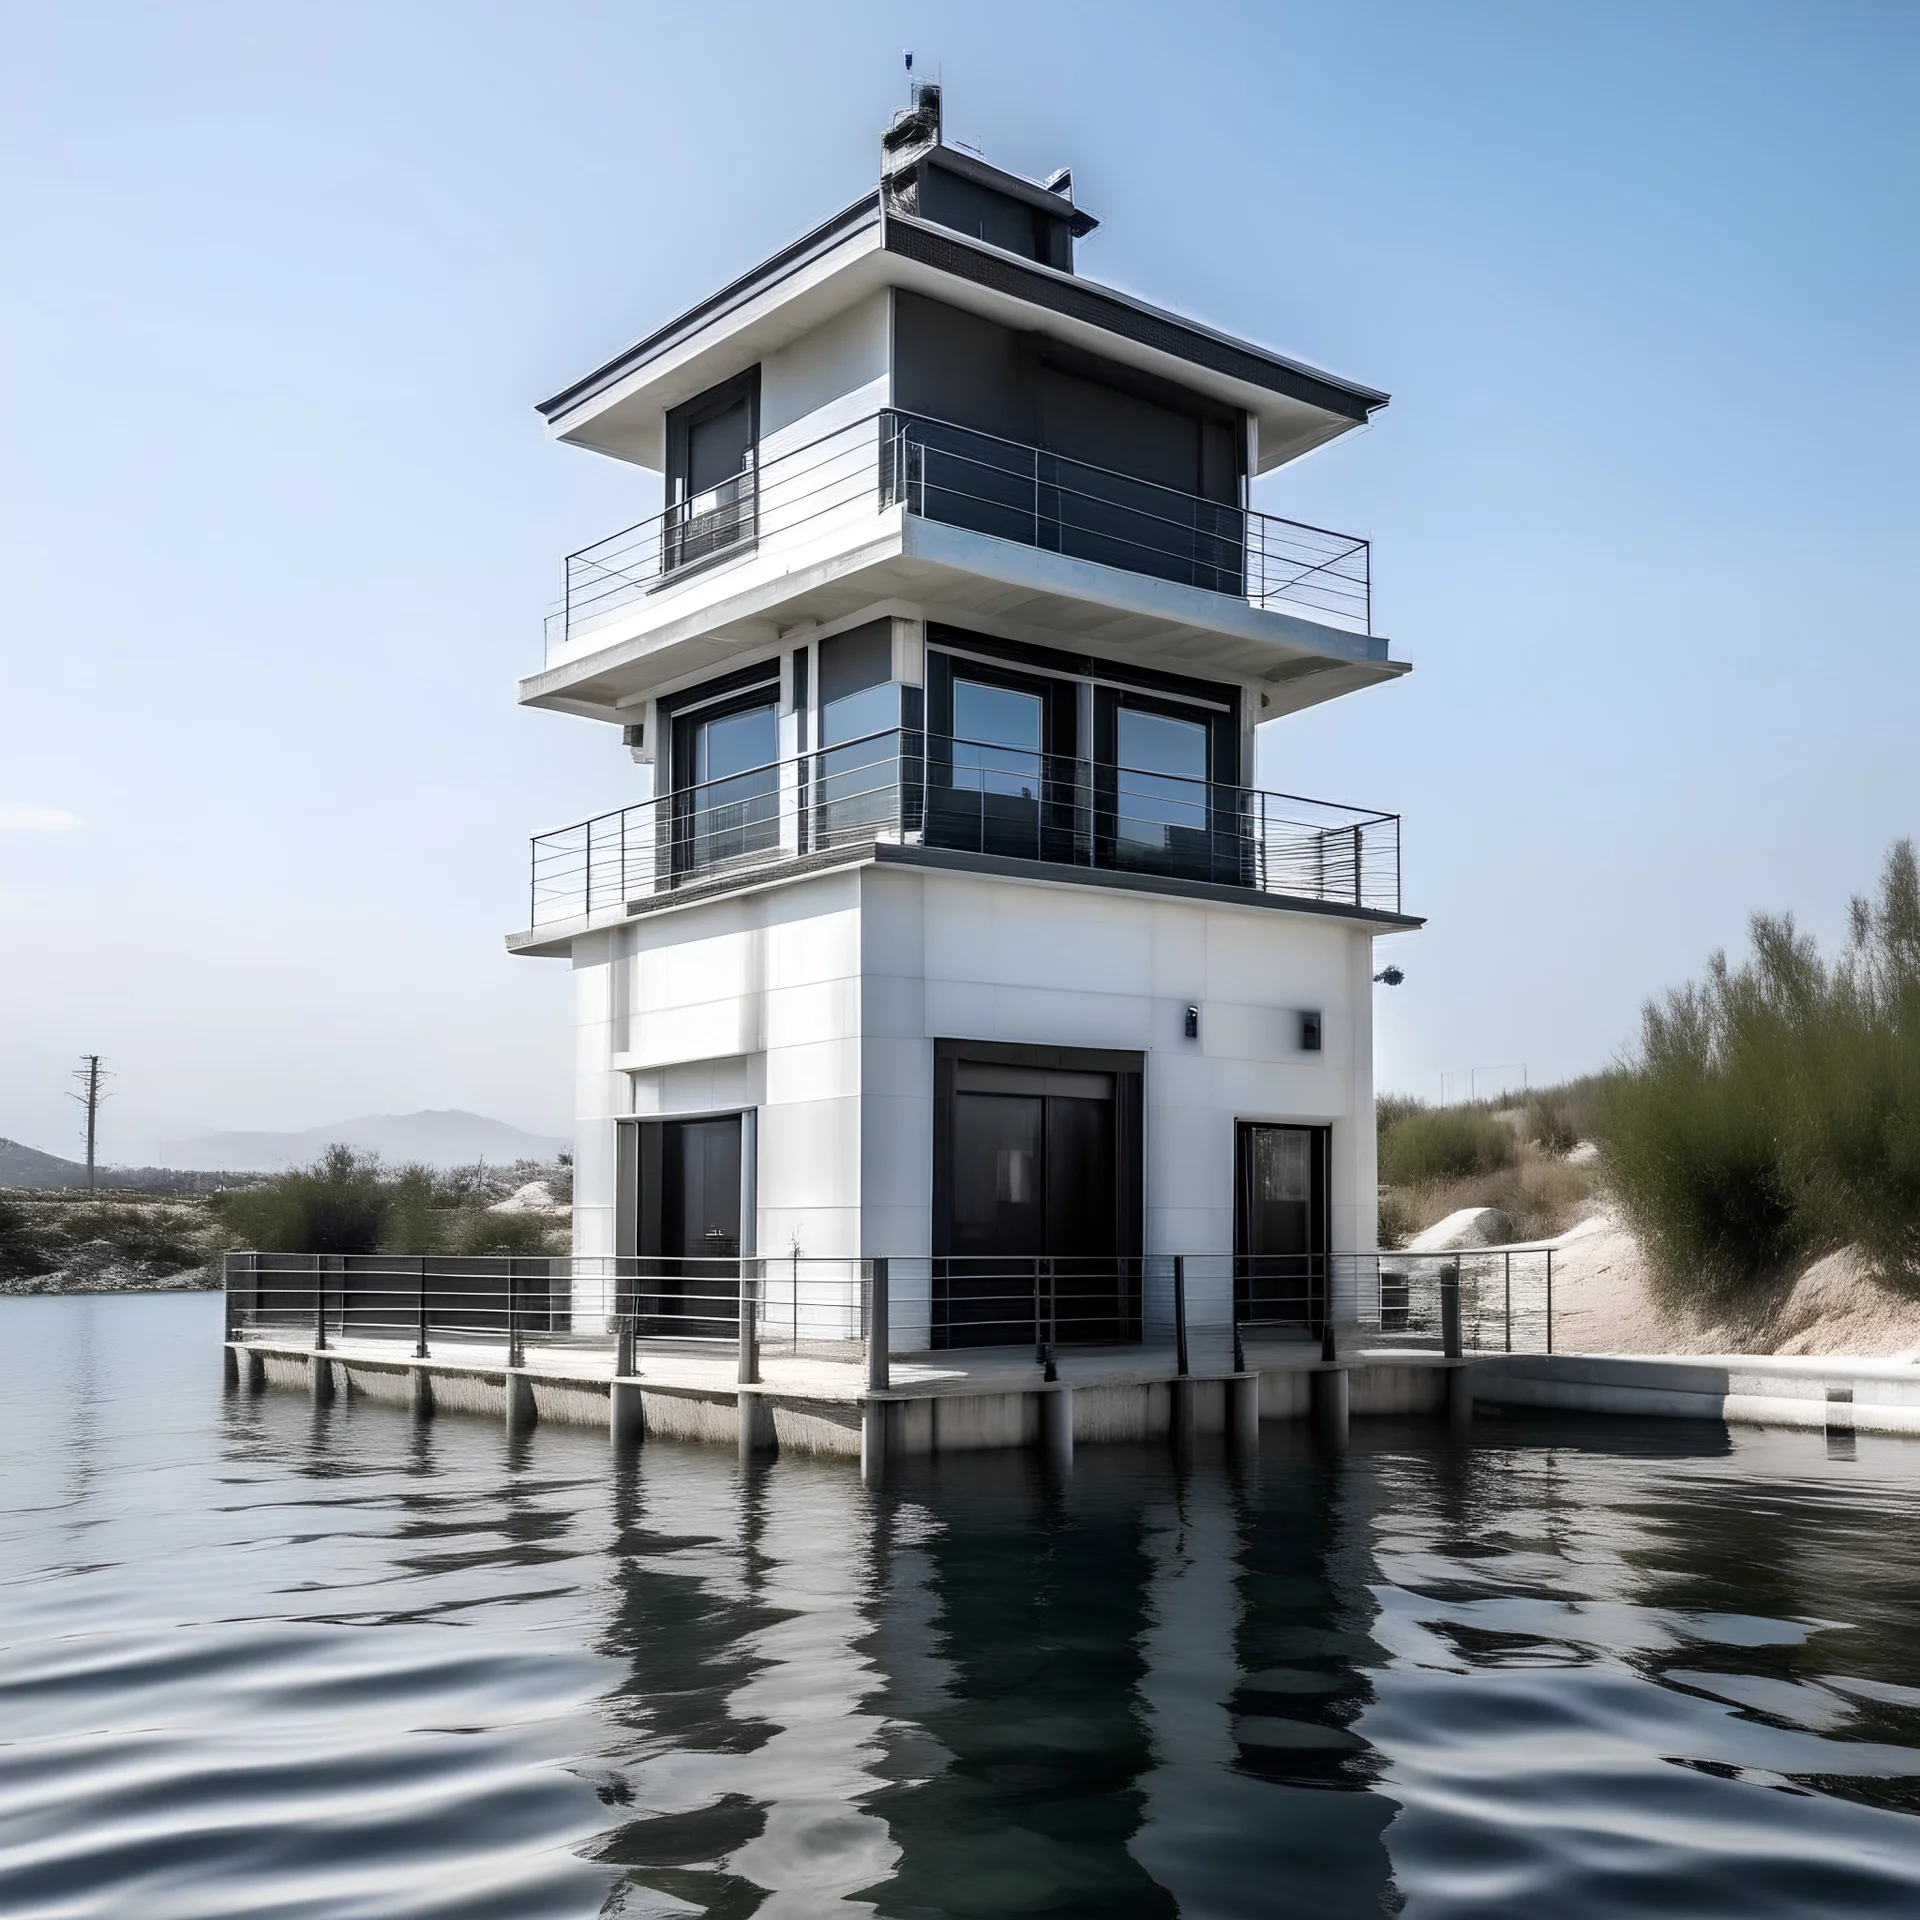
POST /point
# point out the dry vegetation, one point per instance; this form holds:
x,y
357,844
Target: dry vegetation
x,y
1534,1161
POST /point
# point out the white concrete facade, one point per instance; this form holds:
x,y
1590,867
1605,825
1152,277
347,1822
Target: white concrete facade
x,y
814,1003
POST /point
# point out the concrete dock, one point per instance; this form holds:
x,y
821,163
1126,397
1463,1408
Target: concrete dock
x,y
999,1397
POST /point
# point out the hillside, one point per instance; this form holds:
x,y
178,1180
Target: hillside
x,y
447,1138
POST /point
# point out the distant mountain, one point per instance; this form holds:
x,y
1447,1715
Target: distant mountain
x,y
443,1139
29,1167
22,1166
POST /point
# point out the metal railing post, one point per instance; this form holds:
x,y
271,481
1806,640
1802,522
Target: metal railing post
x,y
1180,1314
516,1351
1509,1303
1450,1342
420,1344
1549,1299
879,1363
319,1303
749,1373
1357,855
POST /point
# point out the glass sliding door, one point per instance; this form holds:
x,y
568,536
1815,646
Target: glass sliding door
x,y
1036,1202
996,780
1163,803
727,801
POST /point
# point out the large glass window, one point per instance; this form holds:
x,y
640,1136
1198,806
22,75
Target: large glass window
x,y
997,734
731,806
1162,781
860,747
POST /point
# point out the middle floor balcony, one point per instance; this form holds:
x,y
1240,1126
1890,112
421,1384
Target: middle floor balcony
x,y
902,509
908,795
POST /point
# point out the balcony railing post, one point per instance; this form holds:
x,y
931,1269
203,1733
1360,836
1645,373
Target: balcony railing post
x,y
1356,864
420,1344
1509,1302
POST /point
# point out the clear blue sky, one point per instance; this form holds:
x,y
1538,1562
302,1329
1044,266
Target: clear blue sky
x,y
283,282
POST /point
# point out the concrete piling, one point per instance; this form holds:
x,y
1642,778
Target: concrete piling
x,y
1056,1427
420,1393
756,1425
320,1379
1329,1401
1460,1398
1243,1413
625,1422
521,1411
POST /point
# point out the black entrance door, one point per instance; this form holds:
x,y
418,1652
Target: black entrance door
x,y
1040,1184
688,1227
1280,1274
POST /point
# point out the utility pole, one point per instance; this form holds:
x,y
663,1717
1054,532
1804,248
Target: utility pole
x,y
90,1074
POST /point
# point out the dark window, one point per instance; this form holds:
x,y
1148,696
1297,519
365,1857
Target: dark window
x,y
712,496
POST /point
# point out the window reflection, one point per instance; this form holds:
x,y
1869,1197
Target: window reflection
x,y
996,739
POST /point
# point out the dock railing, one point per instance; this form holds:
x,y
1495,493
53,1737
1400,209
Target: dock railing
x,y
1199,1313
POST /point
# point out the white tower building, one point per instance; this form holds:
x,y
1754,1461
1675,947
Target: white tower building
x,y
950,928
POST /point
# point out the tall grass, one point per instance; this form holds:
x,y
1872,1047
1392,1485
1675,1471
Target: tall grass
x,y
1773,1109
1419,1144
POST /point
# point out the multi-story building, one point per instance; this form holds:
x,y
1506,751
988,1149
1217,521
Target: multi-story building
x,y
951,928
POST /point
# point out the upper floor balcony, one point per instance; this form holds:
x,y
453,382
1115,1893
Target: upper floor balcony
x,y
909,795
903,506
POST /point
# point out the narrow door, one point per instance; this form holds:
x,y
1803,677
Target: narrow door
x,y
1281,1229
688,1226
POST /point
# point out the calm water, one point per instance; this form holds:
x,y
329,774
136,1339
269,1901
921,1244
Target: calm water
x,y
260,1660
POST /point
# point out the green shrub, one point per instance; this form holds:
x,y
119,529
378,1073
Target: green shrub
x,y
337,1205
1773,1110
21,1253
1443,1143
502,1233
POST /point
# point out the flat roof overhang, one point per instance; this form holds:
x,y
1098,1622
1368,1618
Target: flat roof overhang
x,y
925,569
619,409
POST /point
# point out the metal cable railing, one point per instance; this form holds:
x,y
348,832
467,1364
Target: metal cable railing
x,y
905,787
961,477
1200,1312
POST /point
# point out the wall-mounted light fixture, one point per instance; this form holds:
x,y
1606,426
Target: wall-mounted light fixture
x,y
1193,1023
1310,1032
